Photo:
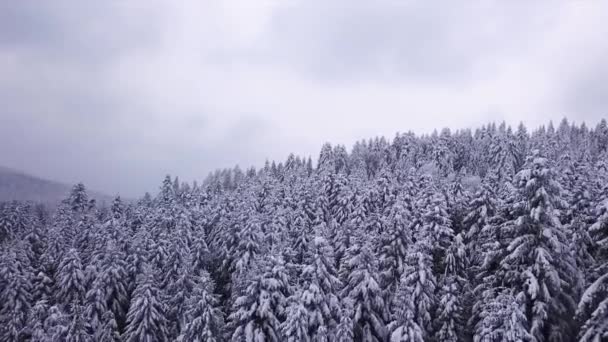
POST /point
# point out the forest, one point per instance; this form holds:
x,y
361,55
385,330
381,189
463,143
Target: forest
x,y
491,234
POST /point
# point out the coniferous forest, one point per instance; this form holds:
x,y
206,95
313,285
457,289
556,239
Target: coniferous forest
x,y
493,234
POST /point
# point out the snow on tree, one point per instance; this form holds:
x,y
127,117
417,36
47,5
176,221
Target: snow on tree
x,y
15,297
503,320
258,313
108,332
434,218
248,243
96,306
78,331
363,289
113,278
204,318
177,295
347,234
344,331
35,325
453,286
200,253
394,243
146,320
404,327
56,325
320,286
71,282
296,327
593,311
539,265
418,283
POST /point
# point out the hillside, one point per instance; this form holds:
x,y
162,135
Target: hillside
x,y
19,186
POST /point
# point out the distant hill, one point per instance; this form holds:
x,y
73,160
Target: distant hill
x,y
17,185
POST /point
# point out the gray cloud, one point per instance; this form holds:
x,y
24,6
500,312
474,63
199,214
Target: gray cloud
x,y
117,94
400,40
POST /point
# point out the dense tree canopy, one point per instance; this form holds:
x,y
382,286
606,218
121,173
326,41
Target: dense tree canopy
x,y
487,235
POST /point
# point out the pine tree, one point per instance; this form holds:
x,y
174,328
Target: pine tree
x,y
205,319
404,326
257,314
96,306
108,332
71,282
592,309
503,320
393,248
114,281
419,277
56,325
435,220
363,289
344,331
35,326
78,330
146,319
320,288
15,298
539,265
296,327
451,292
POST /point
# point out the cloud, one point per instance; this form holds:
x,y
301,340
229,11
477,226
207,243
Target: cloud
x,y
117,94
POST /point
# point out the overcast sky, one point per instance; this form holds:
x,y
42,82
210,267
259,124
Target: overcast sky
x,y
119,93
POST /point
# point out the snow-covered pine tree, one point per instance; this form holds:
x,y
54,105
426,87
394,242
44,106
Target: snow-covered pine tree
x,y
95,306
452,291
502,320
363,289
108,332
353,224
56,325
418,283
35,325
258,313
146,320
15,297
204,320
539,265
78,330
344,331
404,327
435,220
296,327
71,282
592,309
200,253
320,286
394,241
114,280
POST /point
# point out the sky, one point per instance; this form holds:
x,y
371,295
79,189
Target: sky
x,y
117,94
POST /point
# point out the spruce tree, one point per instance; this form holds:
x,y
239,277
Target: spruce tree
x,y
258,313
146,319
71,282
363,289
204,319
539,265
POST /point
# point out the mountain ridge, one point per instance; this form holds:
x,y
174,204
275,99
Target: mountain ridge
x,y
17,185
